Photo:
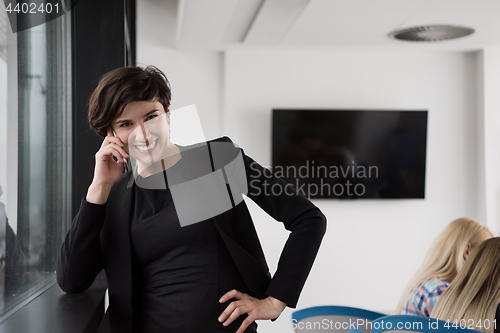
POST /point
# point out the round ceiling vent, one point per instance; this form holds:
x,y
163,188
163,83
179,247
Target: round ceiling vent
x,y
431,33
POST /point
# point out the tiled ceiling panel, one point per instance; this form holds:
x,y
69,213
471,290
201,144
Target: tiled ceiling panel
x,y
241,20
204,22
274,20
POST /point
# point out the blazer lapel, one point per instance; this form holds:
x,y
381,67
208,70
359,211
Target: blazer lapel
x,y
200,160
250,270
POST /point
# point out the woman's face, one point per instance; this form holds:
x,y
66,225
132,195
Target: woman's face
x,y
143,127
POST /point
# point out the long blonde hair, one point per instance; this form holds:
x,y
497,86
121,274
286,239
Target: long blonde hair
x,y
445,257
475,293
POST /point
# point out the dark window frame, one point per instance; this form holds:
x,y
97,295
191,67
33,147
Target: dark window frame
x,y
99,44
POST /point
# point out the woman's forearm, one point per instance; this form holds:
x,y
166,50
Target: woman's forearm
x,y
80,258
98,194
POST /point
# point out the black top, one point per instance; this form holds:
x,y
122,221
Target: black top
x,y
184,270
100,237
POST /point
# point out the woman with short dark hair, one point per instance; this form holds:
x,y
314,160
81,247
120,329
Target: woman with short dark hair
x,y
174,235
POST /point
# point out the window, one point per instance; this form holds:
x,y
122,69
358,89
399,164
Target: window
x,y
35,156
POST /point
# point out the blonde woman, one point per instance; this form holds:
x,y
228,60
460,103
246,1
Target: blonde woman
x,y
473,297
441,264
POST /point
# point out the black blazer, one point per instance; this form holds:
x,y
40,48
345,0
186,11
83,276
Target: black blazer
x,y
100,238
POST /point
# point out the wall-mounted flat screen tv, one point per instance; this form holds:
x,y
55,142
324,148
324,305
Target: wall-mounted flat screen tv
x,y
351,154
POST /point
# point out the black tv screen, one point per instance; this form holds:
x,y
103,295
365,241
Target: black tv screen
x,y
350,154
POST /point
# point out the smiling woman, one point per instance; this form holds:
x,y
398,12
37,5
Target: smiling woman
x,y
144,129
165,275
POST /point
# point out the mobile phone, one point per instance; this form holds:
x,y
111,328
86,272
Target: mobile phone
x,y
124,159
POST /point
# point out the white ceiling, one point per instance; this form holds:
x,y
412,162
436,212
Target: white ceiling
x,y
329,24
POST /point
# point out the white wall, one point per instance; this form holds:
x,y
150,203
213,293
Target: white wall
x,y
372,247
489,135
195,76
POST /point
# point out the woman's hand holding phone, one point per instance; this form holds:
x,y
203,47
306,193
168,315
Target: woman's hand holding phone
x,y
107,171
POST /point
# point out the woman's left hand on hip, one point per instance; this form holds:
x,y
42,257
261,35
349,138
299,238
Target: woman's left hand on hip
x,y
267,308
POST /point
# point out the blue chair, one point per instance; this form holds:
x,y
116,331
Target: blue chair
x,y
333,319
415,324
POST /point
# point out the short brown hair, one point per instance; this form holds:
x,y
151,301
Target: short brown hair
x,y
124,85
